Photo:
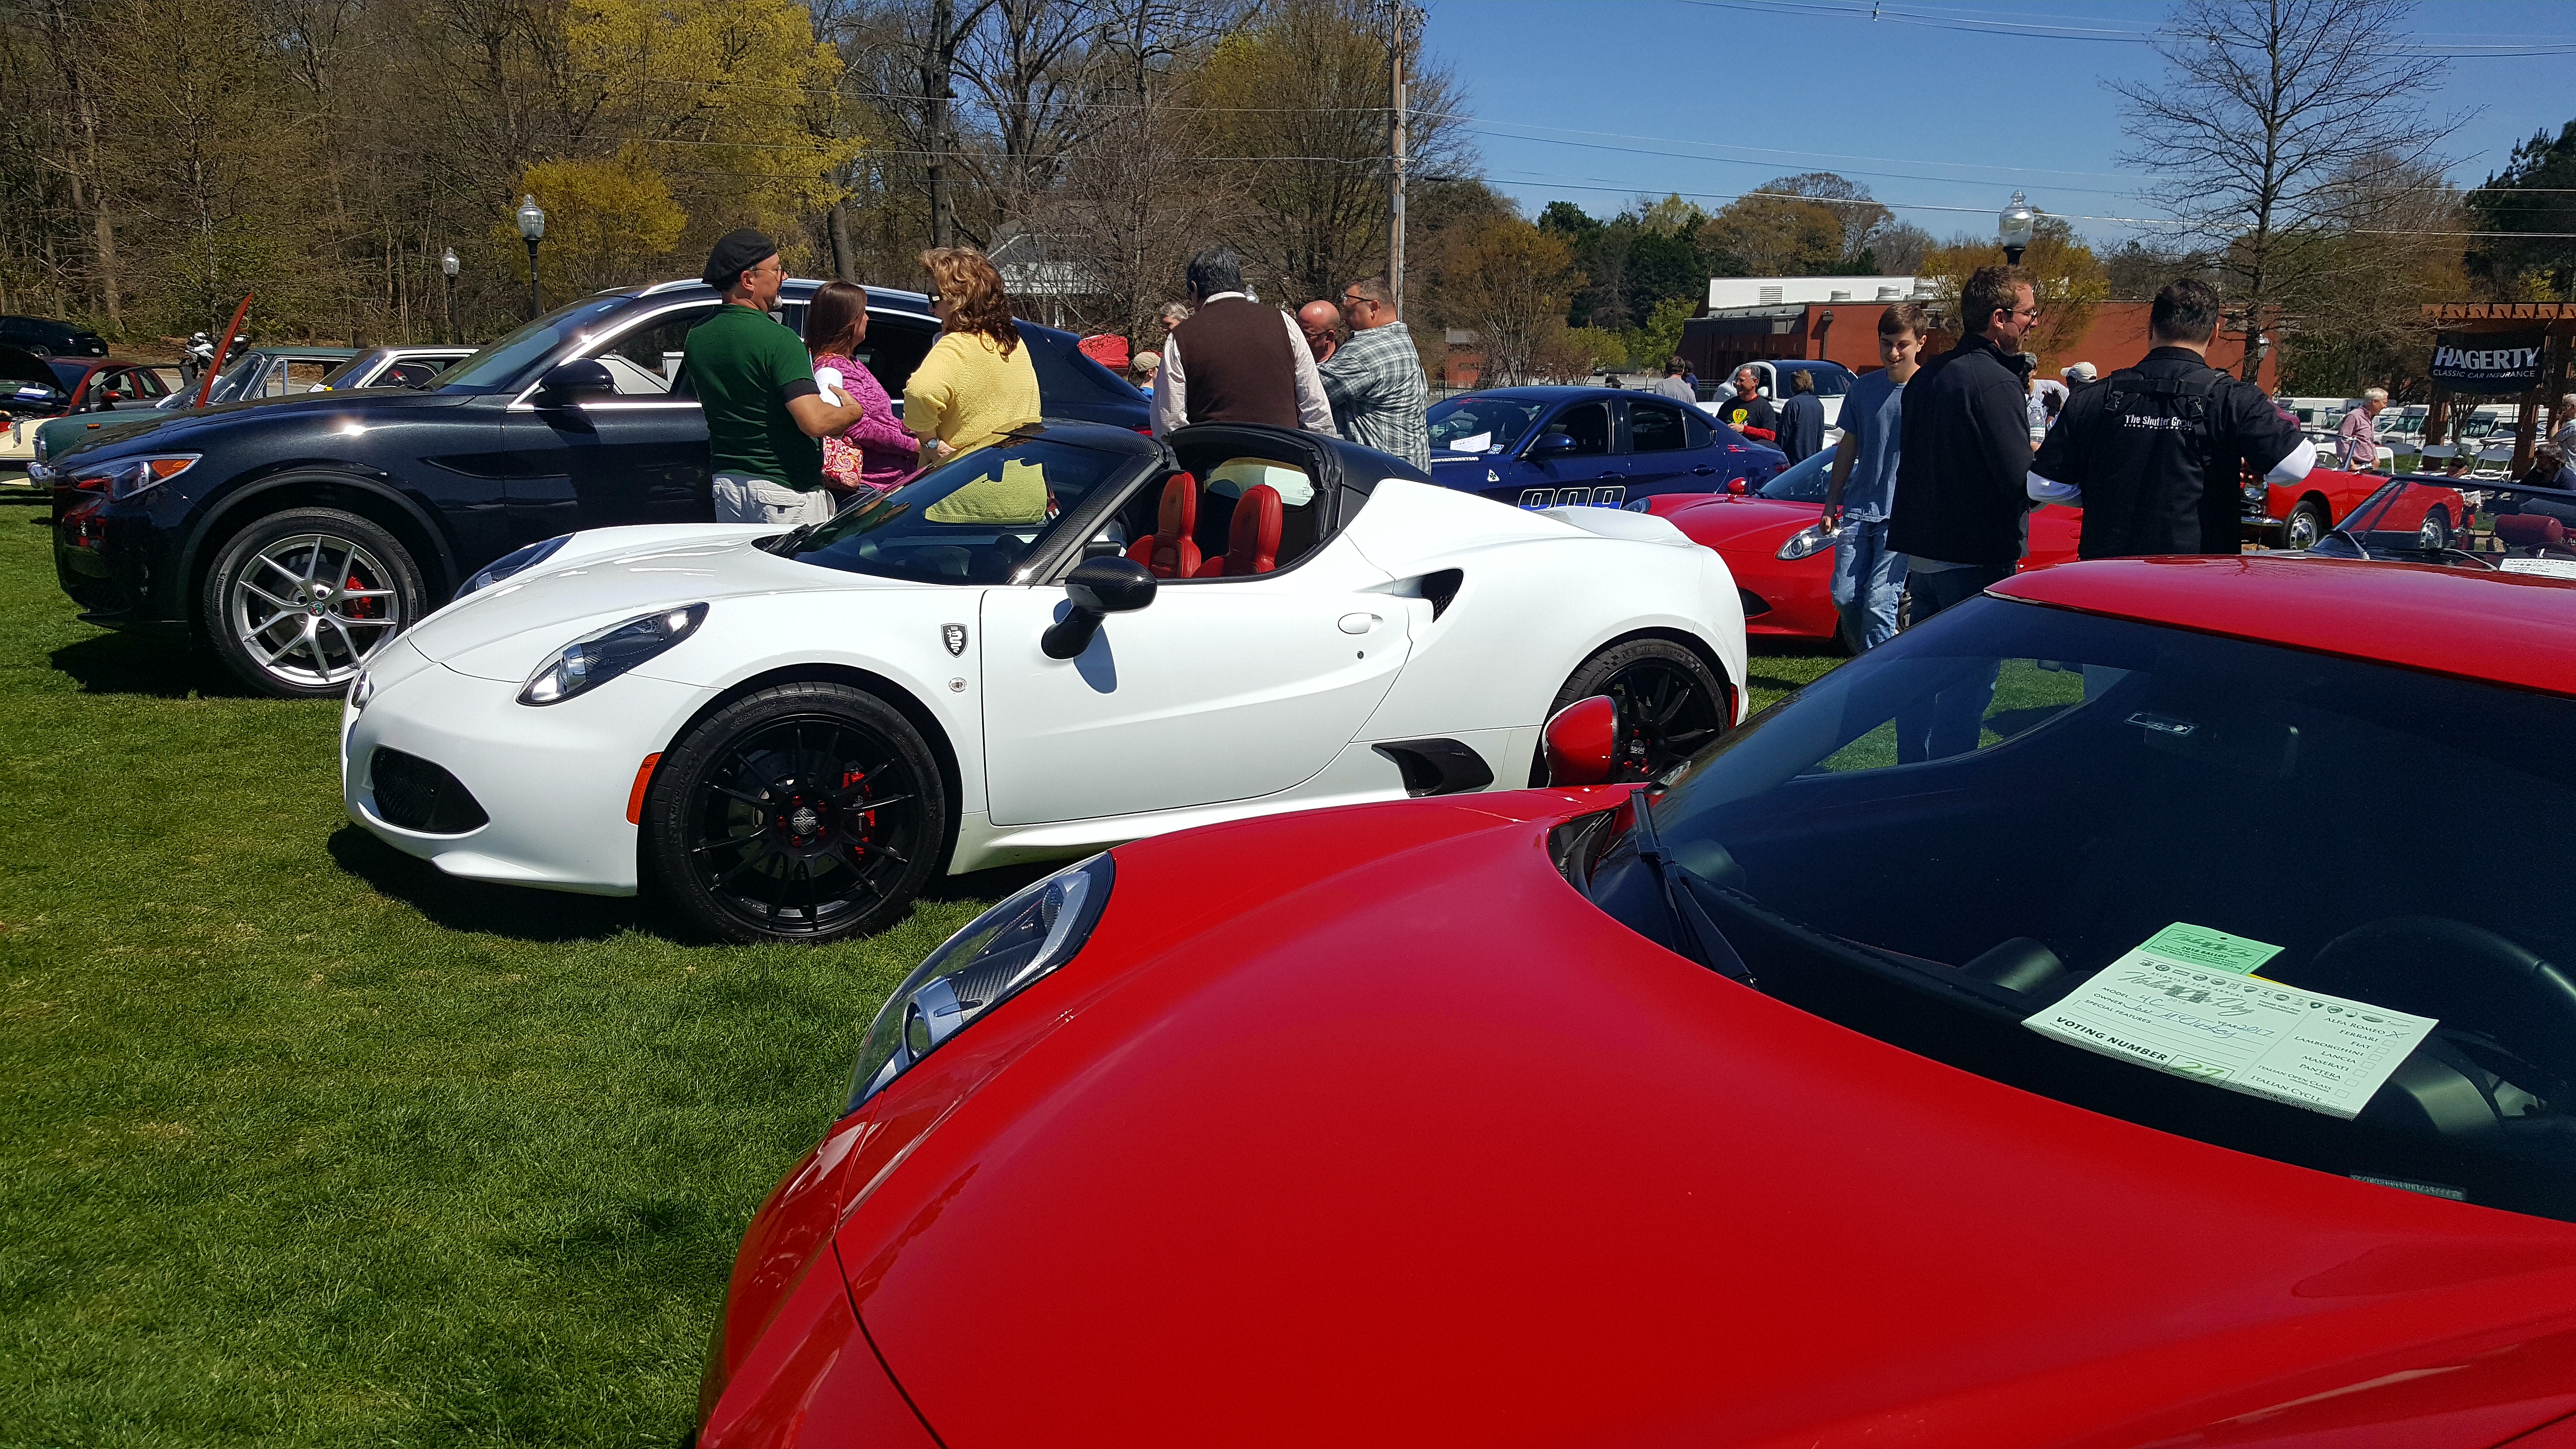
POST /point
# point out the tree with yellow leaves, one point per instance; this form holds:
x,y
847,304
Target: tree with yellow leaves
x,y
2066,277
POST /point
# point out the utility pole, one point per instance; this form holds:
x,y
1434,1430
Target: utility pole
x,y
1395,137
938,63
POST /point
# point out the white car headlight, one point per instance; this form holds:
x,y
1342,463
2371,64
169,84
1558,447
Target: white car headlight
x,y
1813,539
598,657
997,954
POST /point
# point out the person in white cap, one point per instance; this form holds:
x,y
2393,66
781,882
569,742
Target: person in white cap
x,y
2076,374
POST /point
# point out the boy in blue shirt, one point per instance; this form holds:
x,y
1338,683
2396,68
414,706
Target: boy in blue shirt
x,y
1869,580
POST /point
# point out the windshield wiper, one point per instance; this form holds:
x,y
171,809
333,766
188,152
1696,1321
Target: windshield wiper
x,y
1707,944
784,545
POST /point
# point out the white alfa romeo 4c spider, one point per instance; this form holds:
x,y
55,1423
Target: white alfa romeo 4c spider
x,y
1073,638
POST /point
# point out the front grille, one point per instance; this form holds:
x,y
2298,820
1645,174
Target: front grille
x,y
413,794
1754,604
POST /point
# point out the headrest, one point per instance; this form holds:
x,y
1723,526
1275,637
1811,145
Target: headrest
x,y
1252,542
2530,529
1180,507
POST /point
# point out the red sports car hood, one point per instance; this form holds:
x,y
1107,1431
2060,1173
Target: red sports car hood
x,y
1419,1147
1727,522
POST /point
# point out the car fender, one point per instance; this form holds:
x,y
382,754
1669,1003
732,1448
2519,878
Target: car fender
x,y
216,516
897,637
1528,612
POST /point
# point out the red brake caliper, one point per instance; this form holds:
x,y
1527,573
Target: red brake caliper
x,y
865,820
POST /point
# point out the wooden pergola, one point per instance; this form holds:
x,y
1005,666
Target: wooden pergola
x,y
2557,320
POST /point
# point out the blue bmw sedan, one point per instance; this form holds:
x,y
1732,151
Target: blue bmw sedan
x,y
1555,447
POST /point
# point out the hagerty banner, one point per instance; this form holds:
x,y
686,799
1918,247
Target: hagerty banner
x,y
2488,363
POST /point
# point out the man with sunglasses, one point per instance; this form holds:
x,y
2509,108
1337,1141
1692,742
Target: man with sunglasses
x,y
1962,491
1963,468
1374,381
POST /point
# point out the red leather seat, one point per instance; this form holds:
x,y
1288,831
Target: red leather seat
x,y
1252,543
1169,553
2530,530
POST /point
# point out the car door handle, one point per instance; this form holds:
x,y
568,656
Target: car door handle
x,y
1613,475
1358,623
1705,471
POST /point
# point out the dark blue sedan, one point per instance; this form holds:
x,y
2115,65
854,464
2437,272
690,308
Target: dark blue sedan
x,y
1557,447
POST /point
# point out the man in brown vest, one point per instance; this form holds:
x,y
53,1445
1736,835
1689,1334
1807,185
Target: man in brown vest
x,y
1245,362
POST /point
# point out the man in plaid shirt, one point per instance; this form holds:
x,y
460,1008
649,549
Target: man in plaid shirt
x,y
1374,381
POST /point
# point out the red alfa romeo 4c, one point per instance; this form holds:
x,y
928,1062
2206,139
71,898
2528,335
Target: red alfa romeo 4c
x,y
2091,1019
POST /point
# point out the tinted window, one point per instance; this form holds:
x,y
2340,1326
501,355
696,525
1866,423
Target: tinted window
x,y
970,521
500,365
1998,818
645,358
410,372
1803,481
1475,424
1653,429
1697,429
1588,424
895,346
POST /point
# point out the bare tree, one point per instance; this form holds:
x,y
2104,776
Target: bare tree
x,y
2264,104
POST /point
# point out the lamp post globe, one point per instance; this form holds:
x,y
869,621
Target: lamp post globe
x,y
2013,228
532,226
447,266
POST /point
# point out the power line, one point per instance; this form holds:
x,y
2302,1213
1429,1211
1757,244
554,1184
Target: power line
x,y
1967,21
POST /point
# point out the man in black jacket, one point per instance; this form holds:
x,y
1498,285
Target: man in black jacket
x,y
2152,455
1962,484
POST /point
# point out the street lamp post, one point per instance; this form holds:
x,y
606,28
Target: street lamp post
x,y
532,225
448,264
2013,228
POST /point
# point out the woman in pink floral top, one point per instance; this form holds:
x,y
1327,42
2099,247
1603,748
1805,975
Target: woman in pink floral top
x,y
876,452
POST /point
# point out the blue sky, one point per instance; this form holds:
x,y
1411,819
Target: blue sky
x,y
1568,96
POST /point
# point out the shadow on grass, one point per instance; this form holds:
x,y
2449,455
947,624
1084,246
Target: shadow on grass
x,y
525,913
141,664
521,913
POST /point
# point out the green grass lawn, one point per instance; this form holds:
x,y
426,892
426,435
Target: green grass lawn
x,y
304,1143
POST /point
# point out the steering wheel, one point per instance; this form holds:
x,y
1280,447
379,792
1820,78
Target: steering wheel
x,y
2489,987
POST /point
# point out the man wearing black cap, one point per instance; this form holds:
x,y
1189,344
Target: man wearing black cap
x,y
765,417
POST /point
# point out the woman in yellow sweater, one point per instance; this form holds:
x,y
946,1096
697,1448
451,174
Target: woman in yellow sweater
x,y
977,382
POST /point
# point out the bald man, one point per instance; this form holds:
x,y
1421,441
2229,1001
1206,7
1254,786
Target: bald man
x,y
1319,320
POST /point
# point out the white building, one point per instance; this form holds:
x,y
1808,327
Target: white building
x,y
1731,292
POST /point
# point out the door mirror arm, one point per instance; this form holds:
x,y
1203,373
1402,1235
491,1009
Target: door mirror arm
x,y
1098,588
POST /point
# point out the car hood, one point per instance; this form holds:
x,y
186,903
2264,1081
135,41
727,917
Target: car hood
x,y
609,574
1728,521
1409,1135
195,428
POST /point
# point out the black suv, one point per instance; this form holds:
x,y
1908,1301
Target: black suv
x,y
292,536
50,338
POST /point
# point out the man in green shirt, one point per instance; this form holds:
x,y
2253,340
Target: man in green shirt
x,y
765,417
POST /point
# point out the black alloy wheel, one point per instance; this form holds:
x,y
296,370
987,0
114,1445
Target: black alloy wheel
x,y
1671,704
804,812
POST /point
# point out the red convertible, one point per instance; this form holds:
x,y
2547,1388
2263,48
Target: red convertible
x,y
1841,1087
2296,515
1774,542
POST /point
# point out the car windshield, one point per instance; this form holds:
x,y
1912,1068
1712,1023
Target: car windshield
x,y
2462,521
1475,424
1803,481
502,365
969,521
2240,893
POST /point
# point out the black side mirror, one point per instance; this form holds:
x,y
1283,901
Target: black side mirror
x,y
1550,445
577,381
1099,588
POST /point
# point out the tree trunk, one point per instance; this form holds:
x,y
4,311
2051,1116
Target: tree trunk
x,y
845,256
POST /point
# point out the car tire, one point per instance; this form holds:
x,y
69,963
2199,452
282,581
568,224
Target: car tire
x,y
297,600
808,812
1671,704
2305,524
2434,532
